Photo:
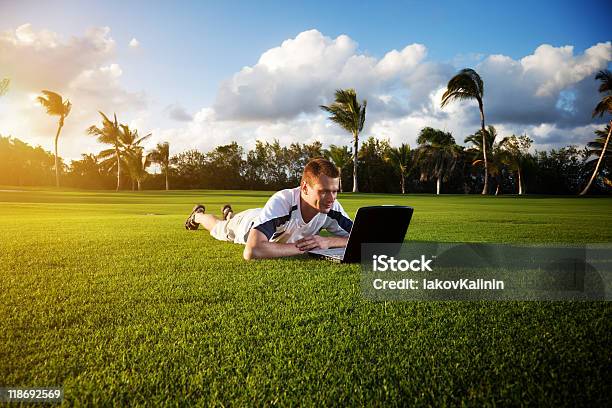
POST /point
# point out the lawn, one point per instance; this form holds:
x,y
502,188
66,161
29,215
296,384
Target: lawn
x,y
107,295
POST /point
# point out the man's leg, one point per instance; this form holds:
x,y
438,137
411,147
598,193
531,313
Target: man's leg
x,y
232,227
190,223
208,221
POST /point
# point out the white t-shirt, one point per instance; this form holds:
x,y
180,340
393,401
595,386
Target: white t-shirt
x,y
281,219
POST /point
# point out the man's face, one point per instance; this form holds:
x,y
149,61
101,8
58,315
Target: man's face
x,y
322,194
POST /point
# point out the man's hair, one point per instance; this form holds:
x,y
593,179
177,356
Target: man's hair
x,y
318,166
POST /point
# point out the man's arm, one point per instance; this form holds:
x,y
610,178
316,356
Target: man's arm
x,y
258,246
319,242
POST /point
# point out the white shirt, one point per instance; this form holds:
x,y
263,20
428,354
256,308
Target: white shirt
x,y
280,220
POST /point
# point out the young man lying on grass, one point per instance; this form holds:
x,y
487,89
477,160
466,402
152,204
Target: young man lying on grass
x,y
290,221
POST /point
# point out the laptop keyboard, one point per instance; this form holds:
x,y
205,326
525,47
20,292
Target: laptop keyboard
x,y
330,251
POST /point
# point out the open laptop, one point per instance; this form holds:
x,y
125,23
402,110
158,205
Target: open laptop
x,y
375,224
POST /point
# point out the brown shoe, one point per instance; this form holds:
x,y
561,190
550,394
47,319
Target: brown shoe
x,y
227,210
190,224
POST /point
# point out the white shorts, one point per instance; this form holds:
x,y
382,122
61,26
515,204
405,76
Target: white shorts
x,y
237,228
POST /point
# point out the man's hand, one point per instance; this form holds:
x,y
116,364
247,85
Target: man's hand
x,y
319,242
312,242
257,245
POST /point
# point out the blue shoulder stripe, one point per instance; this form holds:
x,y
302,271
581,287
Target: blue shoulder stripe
x,y
344,223
269,227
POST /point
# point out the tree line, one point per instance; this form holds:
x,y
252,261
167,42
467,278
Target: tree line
x,y
437,164
497,165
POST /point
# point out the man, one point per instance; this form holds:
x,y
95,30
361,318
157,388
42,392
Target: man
x,y
290,221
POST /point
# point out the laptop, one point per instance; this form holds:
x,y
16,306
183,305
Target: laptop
x,y
375,224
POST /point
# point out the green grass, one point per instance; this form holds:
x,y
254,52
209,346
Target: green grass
x,y
107,295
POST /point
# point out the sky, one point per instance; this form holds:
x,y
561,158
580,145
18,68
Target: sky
x,y
202,74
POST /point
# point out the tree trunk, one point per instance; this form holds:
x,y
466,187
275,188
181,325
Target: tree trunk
x,y
118,168
138,181
355,151
340,181
403,184
59,129
133,185
484,150
167,185
520,185
601,156
438,184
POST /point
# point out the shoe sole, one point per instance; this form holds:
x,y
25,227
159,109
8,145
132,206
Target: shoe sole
x,y
229,207
190,224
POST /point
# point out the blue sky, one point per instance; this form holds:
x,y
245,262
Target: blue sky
x,y
214,39
187,50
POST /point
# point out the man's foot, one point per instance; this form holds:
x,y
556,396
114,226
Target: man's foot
x,y
190,224
227,211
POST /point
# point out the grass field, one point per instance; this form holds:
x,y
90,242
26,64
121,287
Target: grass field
x,y
107,295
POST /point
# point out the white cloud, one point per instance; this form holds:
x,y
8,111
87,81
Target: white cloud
x,y
551,89
134,43
178,112
206,131
556,68
553,86
42,59
549,94
397,62
550,86
81,69
302,73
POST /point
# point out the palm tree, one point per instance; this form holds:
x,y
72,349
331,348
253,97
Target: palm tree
x,y
477,139
86,166
109,133
161,156
467,84
137,164
88,170
514,150
400,159
340,156
54,105
605,105
439,155
133,153
595,148
347,112
129,138
499,164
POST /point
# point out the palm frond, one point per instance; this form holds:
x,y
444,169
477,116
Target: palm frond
x,y
108,133
138,141
340,156
67,108
605,76
400,157
604,106
161,154
596,146
467,84
54,104
106,153
346,111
